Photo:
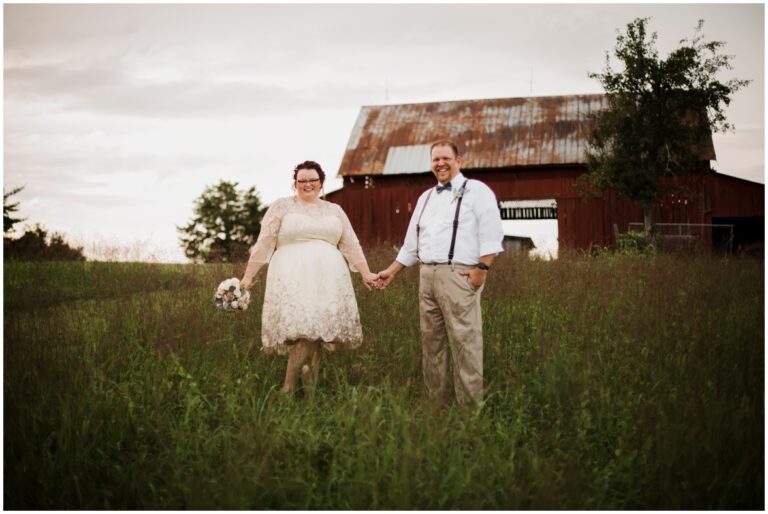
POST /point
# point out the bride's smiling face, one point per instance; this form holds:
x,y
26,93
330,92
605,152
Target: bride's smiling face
x,y
308,185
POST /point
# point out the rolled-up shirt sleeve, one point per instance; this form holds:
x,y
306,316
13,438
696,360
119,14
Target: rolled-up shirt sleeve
x,y
407,256
490,231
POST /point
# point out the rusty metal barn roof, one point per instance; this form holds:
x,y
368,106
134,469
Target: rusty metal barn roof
x,y
492,133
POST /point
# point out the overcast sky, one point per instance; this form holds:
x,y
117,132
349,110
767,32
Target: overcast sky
x,y
116,117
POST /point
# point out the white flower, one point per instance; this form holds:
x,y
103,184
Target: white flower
x,y
459,192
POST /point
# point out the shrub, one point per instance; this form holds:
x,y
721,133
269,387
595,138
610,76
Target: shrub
x,y
632,242
38,245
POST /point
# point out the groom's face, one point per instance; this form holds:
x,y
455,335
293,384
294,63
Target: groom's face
x,y
445,165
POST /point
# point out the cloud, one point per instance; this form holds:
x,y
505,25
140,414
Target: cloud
x,y
108,89
240,61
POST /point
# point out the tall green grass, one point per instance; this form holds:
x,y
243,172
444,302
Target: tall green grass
x,y
616,382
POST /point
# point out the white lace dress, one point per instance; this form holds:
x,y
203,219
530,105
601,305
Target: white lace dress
x,y
309,292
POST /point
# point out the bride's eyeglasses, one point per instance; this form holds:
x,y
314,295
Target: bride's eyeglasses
x,y
308,181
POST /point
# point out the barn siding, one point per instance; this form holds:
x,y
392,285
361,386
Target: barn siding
x,y
735,197
381,212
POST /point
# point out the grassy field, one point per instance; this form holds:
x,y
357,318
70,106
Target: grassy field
x,y
615,382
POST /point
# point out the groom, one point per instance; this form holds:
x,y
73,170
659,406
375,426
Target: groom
x,y
455,233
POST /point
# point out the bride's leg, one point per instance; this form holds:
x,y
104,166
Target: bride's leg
x,y
311,370
315,364
296,357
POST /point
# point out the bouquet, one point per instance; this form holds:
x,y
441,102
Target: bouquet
x,y
229,297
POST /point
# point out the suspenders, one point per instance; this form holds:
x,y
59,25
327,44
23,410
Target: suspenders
x,y
455,223
418,222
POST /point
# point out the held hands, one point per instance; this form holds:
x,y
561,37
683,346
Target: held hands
x,y
371,280
388,275
385,278
381,279
377,281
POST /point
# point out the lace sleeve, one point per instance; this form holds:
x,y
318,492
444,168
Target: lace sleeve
x,y
265,245
348,244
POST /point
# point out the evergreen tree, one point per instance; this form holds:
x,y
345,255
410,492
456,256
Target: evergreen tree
x,y
8,209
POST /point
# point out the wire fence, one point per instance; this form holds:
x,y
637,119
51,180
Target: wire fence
x,y
692,236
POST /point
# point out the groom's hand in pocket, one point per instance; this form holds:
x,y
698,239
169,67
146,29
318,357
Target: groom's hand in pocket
x,y
476,276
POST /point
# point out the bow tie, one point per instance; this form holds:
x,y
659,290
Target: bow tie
x,y
441,188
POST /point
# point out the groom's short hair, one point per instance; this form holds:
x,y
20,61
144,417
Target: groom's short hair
x,y
445,142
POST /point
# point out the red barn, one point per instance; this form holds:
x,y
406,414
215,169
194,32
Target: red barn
x,y
530,151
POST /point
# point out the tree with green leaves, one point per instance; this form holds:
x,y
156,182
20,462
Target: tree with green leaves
x,y
8,209
225,225
660,114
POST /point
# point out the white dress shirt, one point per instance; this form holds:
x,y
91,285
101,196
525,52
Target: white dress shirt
x,y
479,232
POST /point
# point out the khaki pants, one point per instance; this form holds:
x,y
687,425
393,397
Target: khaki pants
x,y
450,320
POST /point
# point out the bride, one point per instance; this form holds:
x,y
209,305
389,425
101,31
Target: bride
x,y
309,302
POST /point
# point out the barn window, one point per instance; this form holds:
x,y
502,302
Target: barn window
x,y
528,209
